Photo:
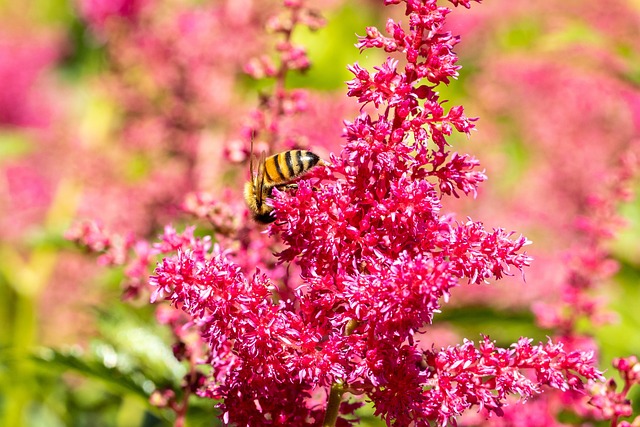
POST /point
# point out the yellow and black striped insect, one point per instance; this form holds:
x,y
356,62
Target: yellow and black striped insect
x,y
275,171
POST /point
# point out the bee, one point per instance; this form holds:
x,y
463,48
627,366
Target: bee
x,y
275,171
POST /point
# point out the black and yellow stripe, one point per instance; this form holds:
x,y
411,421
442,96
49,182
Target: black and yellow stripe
x,y
283,167
275,171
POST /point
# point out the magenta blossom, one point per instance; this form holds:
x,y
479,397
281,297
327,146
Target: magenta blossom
x,y
377,257
245,329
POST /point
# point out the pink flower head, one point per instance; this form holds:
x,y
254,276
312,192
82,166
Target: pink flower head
x,y
377,257
464,376
243,327
380,199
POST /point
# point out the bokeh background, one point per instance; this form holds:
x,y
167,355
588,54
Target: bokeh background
x,y
115,110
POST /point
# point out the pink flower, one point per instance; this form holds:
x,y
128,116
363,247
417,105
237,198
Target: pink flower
x,y
244,328
24,61
377,256
97,12
465,376
609,402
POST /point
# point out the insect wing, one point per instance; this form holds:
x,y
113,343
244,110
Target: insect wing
x,y
259,180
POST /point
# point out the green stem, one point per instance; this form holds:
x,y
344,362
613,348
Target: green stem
x,y
27,276
333,406
20,375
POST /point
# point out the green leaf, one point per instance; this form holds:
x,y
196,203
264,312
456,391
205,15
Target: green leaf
x,y
134,333
105,366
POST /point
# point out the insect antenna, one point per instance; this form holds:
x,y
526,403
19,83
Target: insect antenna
x,y
251,157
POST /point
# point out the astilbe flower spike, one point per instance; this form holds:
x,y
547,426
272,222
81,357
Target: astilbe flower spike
x,y
377,256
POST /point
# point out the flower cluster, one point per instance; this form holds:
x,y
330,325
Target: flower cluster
x,y
244,329
172,112
590,264
597,401
169,80
24,59
246,333
376,256
612,404
483,375
279,107
577,199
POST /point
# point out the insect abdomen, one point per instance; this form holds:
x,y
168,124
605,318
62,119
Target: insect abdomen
x,y
283,167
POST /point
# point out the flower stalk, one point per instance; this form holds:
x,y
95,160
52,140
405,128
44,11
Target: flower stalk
x,y
333,405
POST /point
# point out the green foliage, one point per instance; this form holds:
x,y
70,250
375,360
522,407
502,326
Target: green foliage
x,y
332,48
103,363
504,326
111,382
113,379
620,338
13,145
